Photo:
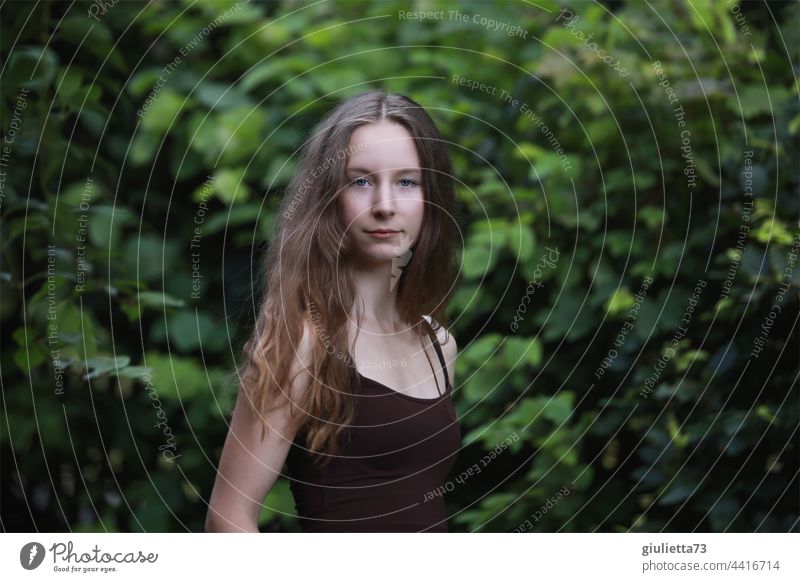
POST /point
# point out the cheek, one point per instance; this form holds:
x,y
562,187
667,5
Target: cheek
x,y
415,211
349,210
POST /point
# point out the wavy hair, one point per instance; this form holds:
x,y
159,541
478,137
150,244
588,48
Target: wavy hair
x,y
310,255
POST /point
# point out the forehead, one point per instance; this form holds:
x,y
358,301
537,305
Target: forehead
x,y
383,144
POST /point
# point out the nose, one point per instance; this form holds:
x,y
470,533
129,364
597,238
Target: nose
x,y
383,204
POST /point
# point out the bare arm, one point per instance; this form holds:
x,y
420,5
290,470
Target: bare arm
x,y
250,465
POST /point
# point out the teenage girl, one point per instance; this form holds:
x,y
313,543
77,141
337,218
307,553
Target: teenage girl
x,y
347,378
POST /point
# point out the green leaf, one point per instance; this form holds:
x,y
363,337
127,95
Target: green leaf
x,y
480,350
620,302
559,407
279,503
158,300
183,332
679,491
106,225
69,83
651,216
262,73
520,351
34,67
481,384
759,100
93,37
478,260
233,218
218,96
28,358
529,409
136,372
521,241
230,187
176,378
101,365
162,112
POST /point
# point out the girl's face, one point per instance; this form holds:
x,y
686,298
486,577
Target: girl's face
x,y
383,204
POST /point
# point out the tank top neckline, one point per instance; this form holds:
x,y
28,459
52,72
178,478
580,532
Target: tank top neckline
x,y
403,394
437,349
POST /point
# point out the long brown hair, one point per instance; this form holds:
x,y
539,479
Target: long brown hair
x,y
310,256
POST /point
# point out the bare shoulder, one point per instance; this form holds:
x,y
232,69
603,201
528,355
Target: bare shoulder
x,y
296,389
299,381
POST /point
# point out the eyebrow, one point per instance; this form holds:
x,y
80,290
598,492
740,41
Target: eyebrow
x,y
398,171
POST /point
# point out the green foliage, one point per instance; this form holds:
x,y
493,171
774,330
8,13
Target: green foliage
x,y
111,319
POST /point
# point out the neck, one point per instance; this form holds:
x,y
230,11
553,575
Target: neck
x,y
376,286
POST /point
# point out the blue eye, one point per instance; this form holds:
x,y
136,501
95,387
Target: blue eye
x,y
404,182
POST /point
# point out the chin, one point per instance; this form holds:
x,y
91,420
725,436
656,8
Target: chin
x,y
377,257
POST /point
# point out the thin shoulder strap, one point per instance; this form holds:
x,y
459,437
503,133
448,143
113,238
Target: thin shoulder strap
x,y
437,347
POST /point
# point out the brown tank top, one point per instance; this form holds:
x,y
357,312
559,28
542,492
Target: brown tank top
x,y
390,472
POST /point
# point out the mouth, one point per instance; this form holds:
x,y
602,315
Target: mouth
x,y
383,233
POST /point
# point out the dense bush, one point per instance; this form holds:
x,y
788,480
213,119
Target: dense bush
x,y
622,366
